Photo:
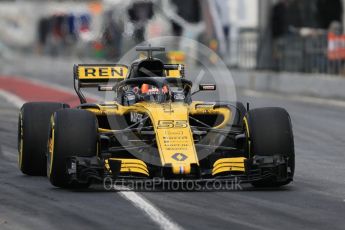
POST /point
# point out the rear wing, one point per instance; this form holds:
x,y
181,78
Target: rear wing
x,y
97,76
92,75
105,76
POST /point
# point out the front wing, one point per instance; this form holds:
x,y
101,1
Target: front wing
x,y
94,169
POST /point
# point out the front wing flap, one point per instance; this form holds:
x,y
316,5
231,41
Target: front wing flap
x,y
93,169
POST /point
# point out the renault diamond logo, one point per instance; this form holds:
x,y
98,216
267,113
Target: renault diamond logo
x,y
179,157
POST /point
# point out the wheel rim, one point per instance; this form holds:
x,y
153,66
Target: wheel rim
x,y
247,132
50,148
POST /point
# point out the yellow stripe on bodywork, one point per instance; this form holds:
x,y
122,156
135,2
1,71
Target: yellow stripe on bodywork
x,y
103,111
227,169
228,165
134,170
203,108
101,130
130,165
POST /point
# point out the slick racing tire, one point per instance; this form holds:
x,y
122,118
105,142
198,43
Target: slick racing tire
x,y
73,132
269,133
33,125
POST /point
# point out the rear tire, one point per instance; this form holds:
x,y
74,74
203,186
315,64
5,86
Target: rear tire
x,y
33,126
269,133
73,132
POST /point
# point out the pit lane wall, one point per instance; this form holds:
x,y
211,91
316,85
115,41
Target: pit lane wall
x,y
323,86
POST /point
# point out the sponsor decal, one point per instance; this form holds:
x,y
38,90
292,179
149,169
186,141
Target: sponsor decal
x,y
101,72
179,157
169,124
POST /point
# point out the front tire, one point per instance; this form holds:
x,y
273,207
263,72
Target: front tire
x,y
269,133
73,133
33,126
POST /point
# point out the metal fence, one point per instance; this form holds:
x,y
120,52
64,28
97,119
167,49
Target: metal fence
x,y
292,53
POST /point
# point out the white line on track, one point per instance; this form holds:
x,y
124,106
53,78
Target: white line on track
x,y
155,214
11,98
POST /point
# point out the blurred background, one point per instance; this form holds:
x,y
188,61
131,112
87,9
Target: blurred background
x,y
280,35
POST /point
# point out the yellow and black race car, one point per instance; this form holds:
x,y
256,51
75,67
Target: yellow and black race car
x,y
152,128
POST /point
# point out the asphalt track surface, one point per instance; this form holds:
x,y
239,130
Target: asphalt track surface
x,y
315,200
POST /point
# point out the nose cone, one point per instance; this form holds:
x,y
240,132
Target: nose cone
x,y
173,135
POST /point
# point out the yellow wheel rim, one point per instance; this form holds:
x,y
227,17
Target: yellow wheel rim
x,y
51,147
245,121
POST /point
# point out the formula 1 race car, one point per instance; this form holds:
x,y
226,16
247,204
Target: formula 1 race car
x,y
152,128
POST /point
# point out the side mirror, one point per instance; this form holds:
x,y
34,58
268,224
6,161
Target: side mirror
x,y
207,87
105,88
